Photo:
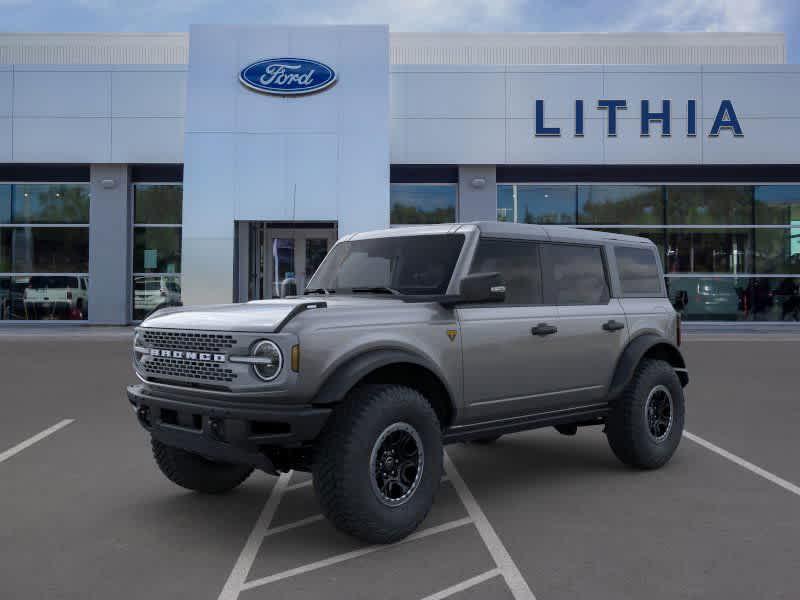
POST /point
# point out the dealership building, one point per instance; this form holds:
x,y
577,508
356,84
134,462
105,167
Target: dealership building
x,y
148,170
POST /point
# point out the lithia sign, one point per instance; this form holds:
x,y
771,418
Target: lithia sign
x,y
726,119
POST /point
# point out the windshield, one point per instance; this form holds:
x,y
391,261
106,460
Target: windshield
x,y
413,264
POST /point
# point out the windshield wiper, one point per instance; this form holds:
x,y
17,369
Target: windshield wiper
x,y
320,290
378,289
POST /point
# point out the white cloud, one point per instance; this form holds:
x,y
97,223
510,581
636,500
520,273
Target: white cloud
x,y
704,15
415,15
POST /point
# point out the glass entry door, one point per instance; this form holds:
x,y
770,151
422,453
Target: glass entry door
x,y
283,258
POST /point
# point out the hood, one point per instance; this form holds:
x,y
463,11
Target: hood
x,y
259,316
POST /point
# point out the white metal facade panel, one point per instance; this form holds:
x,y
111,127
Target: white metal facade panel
x,y
323,156
6,94
62,139
62,93
5,139
148,93
147,140
763,97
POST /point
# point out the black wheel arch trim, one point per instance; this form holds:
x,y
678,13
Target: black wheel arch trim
x,y
636,349
347,375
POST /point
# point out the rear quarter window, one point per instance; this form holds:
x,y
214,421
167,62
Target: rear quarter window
x,y
574,275
639,274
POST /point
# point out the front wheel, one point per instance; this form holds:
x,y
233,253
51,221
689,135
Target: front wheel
x,y
378,463
645,424
197,473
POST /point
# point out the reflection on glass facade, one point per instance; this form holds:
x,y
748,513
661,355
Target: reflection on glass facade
x,y
730,252
620,205
423,203
44,251
157,213
151,292
709,251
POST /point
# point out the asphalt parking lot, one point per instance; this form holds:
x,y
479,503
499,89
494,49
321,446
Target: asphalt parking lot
x,y
84,512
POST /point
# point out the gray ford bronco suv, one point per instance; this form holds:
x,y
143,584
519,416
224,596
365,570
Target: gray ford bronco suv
x,y
408,339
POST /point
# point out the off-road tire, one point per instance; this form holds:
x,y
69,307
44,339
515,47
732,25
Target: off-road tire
x,y
343,469
627,428
194,472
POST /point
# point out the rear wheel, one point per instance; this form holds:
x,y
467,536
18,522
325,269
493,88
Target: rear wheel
x,y
645,424
378,463
197,473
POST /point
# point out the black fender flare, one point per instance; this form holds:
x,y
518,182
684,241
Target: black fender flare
x,y
637,348
348,374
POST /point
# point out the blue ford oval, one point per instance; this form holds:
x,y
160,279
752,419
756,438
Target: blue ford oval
x,y
287,76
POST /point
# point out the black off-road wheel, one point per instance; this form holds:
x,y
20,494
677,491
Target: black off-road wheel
x,y
645,424
378,463
197,473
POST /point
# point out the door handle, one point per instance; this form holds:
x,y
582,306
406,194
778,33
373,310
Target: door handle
x,y
544,329
613,325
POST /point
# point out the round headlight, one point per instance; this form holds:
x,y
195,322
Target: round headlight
x,y
270,360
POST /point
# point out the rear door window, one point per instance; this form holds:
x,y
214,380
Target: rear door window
x,y
638,272
574,275
518,265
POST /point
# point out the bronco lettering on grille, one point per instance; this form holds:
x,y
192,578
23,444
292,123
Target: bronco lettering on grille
x,y
187,355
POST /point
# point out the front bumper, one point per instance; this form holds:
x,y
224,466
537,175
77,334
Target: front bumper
x,y
225,431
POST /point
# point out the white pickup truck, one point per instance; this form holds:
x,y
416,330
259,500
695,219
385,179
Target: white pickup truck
x,y
56,297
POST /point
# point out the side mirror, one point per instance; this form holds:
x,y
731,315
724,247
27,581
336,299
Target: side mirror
x,y
482,287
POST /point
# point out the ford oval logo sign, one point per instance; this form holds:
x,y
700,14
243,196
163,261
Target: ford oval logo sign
x,y
287,76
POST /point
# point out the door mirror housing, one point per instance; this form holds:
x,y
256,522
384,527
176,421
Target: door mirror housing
x,y
482,287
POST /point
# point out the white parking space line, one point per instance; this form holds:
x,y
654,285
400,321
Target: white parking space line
x,y
293,525
234,584
33,439
516,583
464,585
354,554
771,477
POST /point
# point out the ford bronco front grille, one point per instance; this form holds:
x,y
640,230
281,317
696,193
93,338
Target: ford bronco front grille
x,y
180,340
190,369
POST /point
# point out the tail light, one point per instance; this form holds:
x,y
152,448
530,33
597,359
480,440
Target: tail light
x,y
678,330
163,292
69,294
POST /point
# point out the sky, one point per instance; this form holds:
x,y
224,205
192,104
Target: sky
x,y
413,15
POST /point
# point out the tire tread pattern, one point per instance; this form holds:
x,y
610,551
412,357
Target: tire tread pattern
x,y
625,428
333,480
194,472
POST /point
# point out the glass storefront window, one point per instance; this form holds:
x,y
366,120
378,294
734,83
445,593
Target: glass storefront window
x,y
44,251
157,214
620,205
157,250
545,204
778,250
151,292
709,205
777,205
422,203
44,204
158,204
709,251
44,297
735,298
